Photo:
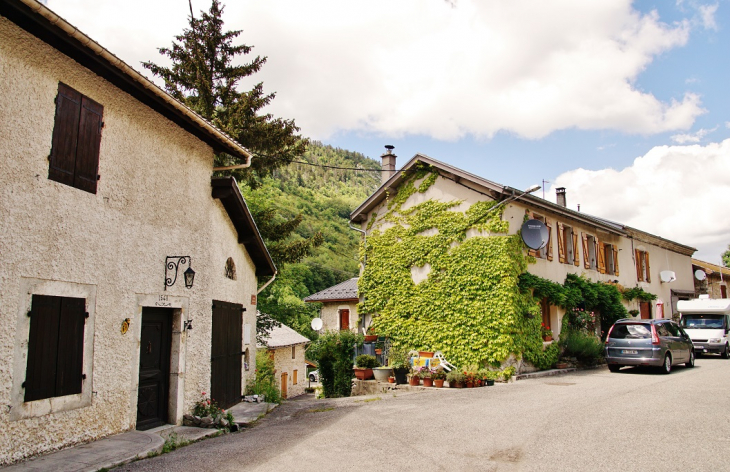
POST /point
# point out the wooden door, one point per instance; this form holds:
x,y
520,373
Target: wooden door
x,y
645,310
154,368
284,382
225,361
344,320
723,291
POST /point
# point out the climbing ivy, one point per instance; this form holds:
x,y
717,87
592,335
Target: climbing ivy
x,y
638,293
470,306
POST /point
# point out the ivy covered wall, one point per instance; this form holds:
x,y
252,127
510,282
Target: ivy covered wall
x,y
469,306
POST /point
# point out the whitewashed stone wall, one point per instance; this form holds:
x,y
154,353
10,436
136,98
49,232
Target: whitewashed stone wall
x,y
153,200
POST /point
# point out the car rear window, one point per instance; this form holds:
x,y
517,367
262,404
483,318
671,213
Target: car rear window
x,y
631,331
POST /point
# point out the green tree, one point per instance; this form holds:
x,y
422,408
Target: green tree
x,y
726,257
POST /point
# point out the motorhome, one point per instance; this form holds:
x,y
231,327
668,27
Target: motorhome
x,y
707,321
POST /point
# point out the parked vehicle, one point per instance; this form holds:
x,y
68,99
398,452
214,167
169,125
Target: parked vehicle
x,y
660,343
314,376
707,322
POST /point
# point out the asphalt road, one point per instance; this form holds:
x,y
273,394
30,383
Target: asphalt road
x,y
586,421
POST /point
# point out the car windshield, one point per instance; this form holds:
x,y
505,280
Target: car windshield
x,y
631,331
703,321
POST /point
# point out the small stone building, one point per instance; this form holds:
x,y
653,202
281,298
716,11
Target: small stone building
x,y
339,307
286,347
715,281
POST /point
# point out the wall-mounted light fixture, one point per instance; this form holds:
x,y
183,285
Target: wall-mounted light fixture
x,y
171,266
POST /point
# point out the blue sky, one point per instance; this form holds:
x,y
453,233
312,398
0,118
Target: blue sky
x,y
624,103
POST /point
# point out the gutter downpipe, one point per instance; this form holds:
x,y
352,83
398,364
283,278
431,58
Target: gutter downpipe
x,y
237,166
276,271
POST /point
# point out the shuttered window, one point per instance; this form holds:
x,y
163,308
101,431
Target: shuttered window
x,y
643,273
74,158
55,347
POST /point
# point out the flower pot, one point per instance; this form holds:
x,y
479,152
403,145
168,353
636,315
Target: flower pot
x,y
470,385
400,375
459,384
382,373
428,382
438,383
547,338
371,338
490,382
427,354
363,374
414,381
391,380
378,352
561,365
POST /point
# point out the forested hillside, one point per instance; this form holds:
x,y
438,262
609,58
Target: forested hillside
x,y
324,197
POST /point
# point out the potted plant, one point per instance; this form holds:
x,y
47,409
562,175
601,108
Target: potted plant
x,y
370,336
391,380
455,379
415,380
382,373
400,363
424,373
547,333
364,366
488,376
438,375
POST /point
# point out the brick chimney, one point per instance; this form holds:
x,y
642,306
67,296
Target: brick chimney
x,y
388,163
560,195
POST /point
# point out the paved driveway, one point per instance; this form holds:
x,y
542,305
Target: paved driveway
x,y
591,420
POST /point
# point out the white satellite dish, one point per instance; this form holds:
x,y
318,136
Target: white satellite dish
x,y
667,276
700,275
317,324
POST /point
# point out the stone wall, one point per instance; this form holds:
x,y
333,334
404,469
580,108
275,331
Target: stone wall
x,y
284,363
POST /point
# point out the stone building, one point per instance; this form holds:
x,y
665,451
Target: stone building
x,y
287,348
128,274
715,281
339,307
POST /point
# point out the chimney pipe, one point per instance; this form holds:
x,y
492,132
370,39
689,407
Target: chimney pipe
x,y
388,163
560,194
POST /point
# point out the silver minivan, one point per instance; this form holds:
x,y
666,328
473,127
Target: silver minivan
x,y
660,343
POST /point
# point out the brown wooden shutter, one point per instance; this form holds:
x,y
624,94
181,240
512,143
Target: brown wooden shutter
x,y
601,257
576,253
639,263
40,372
586,254
549,248
65,135
615,260
87,152
648,271
70,365
561,244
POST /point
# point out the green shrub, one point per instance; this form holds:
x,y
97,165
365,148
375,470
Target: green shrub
x,y
265,382
585,347
366,361
334,351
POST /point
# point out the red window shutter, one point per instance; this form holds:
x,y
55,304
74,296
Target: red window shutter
x,y
70,364
561,244
40,373
549,247
648,271
65,135
87,152
615,260
576,254
639,265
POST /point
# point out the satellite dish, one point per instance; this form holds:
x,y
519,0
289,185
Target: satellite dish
x,y
700,275
317,324
534,234
667,276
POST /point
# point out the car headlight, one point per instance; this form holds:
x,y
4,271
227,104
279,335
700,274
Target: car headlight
x,y
715,340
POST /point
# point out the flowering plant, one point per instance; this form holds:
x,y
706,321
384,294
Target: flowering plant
x,y
207,407
579,319
545,331
423,372
438,374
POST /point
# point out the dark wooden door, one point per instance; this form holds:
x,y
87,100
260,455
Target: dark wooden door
x,y
154,368
225,361
645,310
344,320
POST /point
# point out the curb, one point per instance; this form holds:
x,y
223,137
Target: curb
x,y
544,373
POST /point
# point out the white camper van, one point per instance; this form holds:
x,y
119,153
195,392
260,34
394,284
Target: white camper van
x,y
707,321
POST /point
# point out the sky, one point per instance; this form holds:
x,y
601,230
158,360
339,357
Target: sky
x,y
623,103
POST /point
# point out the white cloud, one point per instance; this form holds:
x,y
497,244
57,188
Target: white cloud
x,y
676,192
695,137
443,69
707,15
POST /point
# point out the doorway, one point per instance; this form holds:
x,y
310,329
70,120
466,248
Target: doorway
x,y
284,384
645,310
226,353
154,368
344,320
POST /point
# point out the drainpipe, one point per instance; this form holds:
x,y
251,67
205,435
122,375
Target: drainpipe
x,y
237,166
267,283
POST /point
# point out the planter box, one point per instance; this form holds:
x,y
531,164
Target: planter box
x,y
382,373
363,374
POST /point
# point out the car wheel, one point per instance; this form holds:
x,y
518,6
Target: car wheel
x,y
691,362
312,379
667,366
614,367
725,352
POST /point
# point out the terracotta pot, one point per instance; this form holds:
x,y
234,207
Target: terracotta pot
x,y
391,380
427,354
459,384
414,381
363,374
378,352
371,338
547,338
561,365
470,385
438,383
428,382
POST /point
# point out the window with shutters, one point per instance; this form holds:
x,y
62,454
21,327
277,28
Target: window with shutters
x,y
643,273
74,158
567,245
590,251
55,347
295,377
610,259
